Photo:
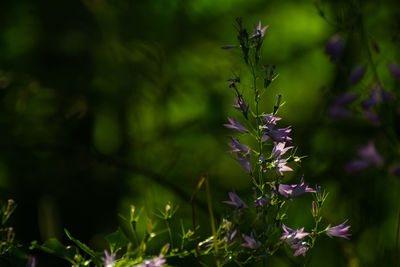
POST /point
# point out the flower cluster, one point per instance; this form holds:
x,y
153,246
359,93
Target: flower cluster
x,y
267,162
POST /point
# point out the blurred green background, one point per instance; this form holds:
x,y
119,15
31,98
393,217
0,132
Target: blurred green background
x,y
110,103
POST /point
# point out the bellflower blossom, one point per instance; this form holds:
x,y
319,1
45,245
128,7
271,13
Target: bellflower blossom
x,y
258,32
294,190
357,74
230,236
108,260
237,146
280,135
394,70
339,108
367,156
250,242
293,236
335,47
262,201
301,248
235,126
156,262
240,104
279,149
339,231
244,161
235,201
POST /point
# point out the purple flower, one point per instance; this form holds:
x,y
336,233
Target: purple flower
x,y
108,261
372,117
339,108
318,189
335,47
376,96
235,126
230,236
293,236
394,70
156,262
31,261
357,73
356,165
235,201
339,112
258,32
244,161
301,248
270,120
262,201
367,156
339,231
237,146
280,135
345,99
280,166
250,242
279,149
241,105
294,190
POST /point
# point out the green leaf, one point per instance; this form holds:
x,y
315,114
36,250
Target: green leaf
x,y
117,240
83,247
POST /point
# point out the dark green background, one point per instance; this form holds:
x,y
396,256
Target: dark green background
x,y
104,104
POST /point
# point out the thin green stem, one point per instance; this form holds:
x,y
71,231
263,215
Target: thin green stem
x,y
170,233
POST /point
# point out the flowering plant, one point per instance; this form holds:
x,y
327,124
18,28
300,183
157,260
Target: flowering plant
x,y
251,232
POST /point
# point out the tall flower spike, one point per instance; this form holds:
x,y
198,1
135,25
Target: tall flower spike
x,y
340,230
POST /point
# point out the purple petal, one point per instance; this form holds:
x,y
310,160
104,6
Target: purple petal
x,y
244,161
369,154
356,166
394,70
345,99
357,73
335,47
235,126
339,231
237,146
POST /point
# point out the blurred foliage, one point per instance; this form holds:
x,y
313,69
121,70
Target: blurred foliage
x,y
110,103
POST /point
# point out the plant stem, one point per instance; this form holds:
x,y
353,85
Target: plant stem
x,y
170,233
